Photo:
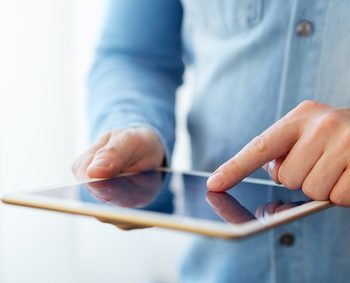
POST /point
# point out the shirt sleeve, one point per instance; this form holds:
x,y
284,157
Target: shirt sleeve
x,y
137,69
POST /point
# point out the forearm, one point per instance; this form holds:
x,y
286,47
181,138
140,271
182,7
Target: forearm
x,y
134,78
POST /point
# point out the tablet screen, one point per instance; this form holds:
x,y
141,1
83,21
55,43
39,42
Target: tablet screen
x,y
185,195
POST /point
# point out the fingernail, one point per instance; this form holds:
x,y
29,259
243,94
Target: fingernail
x,y
216,181
100,163
271,167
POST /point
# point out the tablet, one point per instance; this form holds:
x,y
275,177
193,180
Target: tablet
x,y
176,200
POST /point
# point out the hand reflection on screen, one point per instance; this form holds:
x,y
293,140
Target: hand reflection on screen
x,y
231,211
134,191
129,191
228,208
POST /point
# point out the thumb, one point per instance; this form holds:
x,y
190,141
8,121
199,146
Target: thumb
x,y
113,157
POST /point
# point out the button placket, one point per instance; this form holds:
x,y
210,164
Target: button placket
x,y
303,54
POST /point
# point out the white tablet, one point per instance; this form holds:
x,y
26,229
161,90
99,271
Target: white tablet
x,y
178,201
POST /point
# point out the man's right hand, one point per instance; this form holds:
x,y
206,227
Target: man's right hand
x,y
129,150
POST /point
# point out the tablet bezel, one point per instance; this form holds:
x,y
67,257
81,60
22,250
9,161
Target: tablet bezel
x,y
148,218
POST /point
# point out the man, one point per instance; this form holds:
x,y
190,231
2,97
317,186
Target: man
x,y
256,64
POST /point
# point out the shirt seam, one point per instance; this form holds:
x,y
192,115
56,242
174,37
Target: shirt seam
x,y
282,90
320,61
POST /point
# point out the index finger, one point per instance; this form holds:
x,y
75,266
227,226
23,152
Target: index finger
x,y
271,144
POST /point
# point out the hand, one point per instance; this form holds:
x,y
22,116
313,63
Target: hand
x,y
309,148
129,150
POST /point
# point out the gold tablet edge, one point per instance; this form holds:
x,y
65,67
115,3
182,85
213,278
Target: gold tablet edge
x,y
244,231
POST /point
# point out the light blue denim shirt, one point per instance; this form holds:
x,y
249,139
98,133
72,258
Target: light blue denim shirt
x,y
254,60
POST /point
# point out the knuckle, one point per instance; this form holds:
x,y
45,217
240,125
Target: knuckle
x,y
328,122
259,144
307,105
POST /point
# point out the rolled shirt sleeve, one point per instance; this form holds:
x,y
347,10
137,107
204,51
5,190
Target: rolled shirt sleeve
x,y
137,69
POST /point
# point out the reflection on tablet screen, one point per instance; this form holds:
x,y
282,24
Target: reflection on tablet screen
x,y
185,195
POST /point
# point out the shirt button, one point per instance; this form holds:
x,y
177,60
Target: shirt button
x,y
287,239
304,28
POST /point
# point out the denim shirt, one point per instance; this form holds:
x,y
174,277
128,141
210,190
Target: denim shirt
x,y
254,60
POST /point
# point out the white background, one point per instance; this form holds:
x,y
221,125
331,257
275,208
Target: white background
x,y
46,48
